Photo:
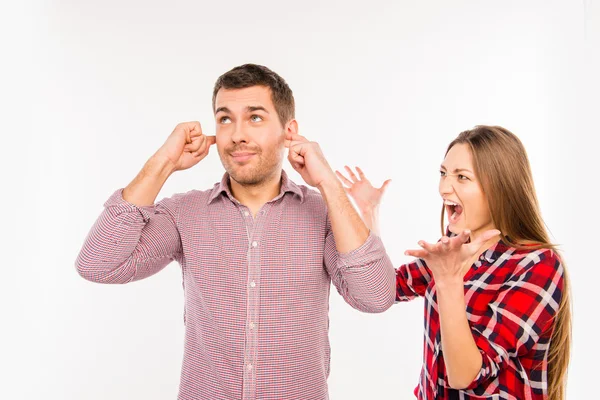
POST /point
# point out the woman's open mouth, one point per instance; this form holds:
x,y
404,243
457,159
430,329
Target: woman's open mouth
x,y
454,211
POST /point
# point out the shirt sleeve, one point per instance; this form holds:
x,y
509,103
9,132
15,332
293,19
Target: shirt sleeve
x,y
364,277
412,280
129,243
522,312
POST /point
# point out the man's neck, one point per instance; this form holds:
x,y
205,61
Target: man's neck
x,y
255,196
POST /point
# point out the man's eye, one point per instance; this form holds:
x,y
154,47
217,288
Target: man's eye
x,y
256,118
224,120
442,173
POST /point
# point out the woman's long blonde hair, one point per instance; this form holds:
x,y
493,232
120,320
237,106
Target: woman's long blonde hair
x,y
502,167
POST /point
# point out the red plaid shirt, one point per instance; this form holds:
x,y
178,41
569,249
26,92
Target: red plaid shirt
x,y
511,296
256,289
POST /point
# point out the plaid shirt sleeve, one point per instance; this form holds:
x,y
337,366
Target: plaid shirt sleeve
x,y
412,280
129,243
364,277
521,313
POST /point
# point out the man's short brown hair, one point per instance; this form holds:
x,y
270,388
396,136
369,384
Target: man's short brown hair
x,y
249,75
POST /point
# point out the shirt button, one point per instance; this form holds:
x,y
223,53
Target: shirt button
x,y
246,213
249,367
252,325
252,284
254,244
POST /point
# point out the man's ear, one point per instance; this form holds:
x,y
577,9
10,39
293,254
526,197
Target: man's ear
x,y
291,127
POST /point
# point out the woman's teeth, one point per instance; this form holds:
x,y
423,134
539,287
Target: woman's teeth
x,y
454,210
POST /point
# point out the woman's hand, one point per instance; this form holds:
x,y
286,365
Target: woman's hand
x,y
365,195
451,257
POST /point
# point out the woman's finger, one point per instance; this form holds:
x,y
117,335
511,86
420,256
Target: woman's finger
x,y
361,174
420,253
351,174
344,180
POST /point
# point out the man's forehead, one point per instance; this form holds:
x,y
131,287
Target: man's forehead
x,y
242,98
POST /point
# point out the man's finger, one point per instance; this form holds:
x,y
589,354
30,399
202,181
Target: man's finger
x,y
294,155
190,147
295,137
202,150
298,148
292,143
191,129
195,126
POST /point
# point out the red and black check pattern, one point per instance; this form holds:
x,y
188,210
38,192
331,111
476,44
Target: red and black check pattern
x,y
256,289
512,297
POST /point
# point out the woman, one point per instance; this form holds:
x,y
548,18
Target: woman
x,y
497,308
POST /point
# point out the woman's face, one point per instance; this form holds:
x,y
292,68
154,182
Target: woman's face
x,y
466,205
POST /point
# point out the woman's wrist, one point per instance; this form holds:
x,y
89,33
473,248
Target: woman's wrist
x,y
449,283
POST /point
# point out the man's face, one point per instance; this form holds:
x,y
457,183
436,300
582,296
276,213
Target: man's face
x,y
250,136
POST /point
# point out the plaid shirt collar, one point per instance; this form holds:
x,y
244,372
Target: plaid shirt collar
x,y
286,186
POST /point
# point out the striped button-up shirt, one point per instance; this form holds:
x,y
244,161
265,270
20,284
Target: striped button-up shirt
x,y
256,288
512,296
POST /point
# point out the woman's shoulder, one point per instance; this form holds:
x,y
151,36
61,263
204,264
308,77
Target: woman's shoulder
x,y
537,262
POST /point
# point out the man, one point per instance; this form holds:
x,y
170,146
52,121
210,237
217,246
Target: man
x,y
257,251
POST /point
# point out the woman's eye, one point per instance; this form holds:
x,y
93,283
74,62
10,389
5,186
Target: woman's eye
x,y
462,177
442,173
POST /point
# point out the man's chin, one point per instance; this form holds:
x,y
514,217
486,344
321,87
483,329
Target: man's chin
x,y
244,178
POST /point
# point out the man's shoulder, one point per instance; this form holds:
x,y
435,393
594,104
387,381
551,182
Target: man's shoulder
x,y
311,197
194,197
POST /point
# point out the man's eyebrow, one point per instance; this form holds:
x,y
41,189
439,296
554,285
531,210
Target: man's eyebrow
x,y
248,109
256,108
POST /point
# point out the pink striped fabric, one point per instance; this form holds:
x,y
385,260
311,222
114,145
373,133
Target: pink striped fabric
x,y
256,289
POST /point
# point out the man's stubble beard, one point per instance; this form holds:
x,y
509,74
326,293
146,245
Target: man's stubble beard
x,y
260,173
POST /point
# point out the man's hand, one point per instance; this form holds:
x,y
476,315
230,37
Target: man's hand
x,y
308,160
186,146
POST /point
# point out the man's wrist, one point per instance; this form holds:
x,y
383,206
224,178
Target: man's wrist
x,y
330,185
159,167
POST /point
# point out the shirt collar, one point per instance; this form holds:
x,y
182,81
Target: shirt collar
x,y
495,251
287,186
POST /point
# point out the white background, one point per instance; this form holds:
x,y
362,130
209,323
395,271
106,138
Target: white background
x,y
89,90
